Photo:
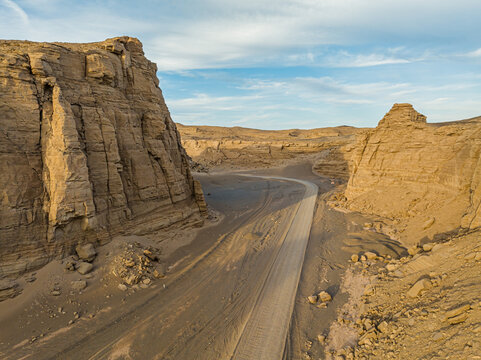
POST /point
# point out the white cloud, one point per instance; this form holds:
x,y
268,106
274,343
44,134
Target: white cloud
x,y
17,10
475,53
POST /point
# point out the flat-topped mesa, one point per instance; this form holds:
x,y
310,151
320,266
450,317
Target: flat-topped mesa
x,y
402,114
87,149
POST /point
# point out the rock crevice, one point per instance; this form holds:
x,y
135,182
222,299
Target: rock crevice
x,y
88,149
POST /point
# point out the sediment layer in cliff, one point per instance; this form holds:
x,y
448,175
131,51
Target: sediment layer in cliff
x,y
427,176
222,147
87,149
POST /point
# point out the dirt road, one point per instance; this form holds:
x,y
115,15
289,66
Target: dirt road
x,y
234,301
265,334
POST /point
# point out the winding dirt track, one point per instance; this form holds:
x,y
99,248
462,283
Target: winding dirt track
x,y
233,302
265,334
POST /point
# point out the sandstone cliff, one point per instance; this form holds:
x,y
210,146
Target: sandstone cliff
x,y
427,176
87,149
221,147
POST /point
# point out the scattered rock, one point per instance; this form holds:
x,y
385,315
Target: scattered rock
x,y
312,299
428,223
69,265
84,267
78,285
418,287
370,255
457,311
86,252
324,296
414,250
458,319
391,267
354,258
122,287
428,247
383,327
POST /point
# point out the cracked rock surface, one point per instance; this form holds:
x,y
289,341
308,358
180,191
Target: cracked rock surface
x,y
87,150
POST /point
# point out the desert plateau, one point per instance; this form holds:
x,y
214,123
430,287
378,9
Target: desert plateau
x,y
240,181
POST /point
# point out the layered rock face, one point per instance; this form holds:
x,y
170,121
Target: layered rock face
x,y
427,176
87,149
213,146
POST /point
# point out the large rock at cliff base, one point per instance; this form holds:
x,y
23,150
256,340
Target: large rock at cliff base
x,y
87,149
409,170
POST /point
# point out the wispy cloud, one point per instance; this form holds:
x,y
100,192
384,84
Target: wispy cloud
x,y
17,10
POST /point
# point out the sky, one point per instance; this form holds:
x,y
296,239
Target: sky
x,y
280,64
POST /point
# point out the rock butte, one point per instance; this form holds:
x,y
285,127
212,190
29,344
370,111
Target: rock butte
x,y
87,150
428,176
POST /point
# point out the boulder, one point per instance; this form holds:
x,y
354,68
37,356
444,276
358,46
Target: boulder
x,y
86,252
78,285
84,267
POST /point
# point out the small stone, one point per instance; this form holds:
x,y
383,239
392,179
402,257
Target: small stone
x,y
312,299
354,258
457,311
438,336
478,256
70,322
418,287
147,281
59,309
55,293
86,252
321,339
470,256
69,265
122,287
78,285
322,305
458,319
391,267
363,258
370,255
414,250
84,267
324,296
428,223
428,247
383,327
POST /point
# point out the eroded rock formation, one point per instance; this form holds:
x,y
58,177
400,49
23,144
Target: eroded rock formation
x,y
87,149
427,176
221,147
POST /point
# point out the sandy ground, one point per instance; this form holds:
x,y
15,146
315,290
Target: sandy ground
x,y
197,315
215,276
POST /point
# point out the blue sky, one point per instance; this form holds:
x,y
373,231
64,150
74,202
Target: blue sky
x,y
284,64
